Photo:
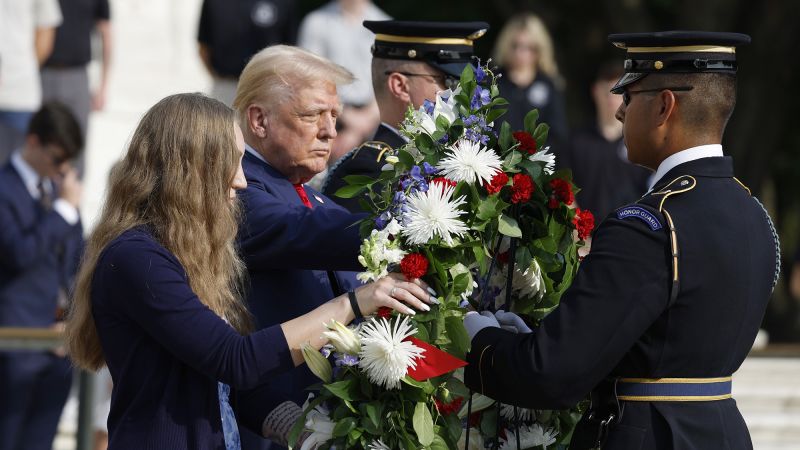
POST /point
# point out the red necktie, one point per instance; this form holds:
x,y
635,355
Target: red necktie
x,y
301,191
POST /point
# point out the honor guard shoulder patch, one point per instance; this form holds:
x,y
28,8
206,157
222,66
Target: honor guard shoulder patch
x,y
640,213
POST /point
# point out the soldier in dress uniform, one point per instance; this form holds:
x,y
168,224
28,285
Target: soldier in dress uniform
x,y
411,62
667,305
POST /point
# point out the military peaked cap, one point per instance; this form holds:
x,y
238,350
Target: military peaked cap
x,y
676,52
444,45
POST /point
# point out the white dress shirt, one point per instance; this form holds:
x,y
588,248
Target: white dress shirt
x,y
684,156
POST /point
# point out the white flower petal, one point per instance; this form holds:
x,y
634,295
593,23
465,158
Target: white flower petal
x,y
529,436
470,162
385,356
378,445
544,156
432,213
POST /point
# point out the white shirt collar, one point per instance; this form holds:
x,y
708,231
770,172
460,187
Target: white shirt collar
x,y
684,156
29,176
253,152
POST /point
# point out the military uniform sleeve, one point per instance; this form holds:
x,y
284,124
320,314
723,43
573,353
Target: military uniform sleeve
x,y
620,290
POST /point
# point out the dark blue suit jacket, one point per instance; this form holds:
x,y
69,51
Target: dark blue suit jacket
x,y
166,351
39,253
288,249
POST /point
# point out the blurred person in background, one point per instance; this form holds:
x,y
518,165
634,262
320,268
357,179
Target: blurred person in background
x,y
231,31
64,74
40,244
411,63
27,32
597,155
158,297
335,31
524,51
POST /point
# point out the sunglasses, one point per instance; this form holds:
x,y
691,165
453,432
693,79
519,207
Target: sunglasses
x,y
442,80
626,94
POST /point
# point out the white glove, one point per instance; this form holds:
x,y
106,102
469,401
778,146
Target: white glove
x,y
475,322
511,322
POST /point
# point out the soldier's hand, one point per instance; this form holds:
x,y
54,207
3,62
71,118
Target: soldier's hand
x,y
511,322
475,322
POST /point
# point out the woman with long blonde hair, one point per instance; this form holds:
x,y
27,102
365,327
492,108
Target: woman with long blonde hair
x,y
524,51
158,295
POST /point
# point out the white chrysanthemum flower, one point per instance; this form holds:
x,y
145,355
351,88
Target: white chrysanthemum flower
x,y
319,423
385,357
526,283
544,156
433,213
470,162
529,436
378,445
523,414
343,338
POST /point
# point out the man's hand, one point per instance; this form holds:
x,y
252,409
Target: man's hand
x,y
475,322
511,322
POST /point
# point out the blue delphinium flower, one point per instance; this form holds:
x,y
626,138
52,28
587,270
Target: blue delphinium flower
x,y
481,97
428,105
383,220
429,169
343,359
443,140
480,74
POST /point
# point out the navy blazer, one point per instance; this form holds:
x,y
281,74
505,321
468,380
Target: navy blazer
x,y
166,350
289,249
39,253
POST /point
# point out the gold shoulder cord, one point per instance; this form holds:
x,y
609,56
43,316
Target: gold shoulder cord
x,y
378,145
480,366
684,183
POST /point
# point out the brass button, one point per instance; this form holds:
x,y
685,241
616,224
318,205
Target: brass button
x,y
658,65
412,53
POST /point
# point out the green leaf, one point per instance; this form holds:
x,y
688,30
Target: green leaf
x,y
512,160
345,390
360,180
508,226
506,139
495,114
540,133
530,121
423,424
350,191
426,385
467,76
457,334
405,158
344,426
439,443
499,101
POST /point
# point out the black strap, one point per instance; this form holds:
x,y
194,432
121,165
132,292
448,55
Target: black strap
x,y
354,304
335,287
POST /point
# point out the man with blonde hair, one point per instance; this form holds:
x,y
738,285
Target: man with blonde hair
x,y
293,239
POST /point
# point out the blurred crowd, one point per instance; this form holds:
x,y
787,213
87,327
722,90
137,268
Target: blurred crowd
x,y
46,99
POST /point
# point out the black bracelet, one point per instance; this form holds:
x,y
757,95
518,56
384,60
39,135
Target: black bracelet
x,y
351,294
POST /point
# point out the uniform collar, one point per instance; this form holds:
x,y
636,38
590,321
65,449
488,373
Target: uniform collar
x,y
390,135
684,156
29,176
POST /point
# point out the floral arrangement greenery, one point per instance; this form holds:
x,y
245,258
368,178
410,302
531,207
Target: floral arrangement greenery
x,y
480,214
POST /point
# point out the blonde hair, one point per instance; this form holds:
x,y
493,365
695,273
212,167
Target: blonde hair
x,y
273,74
535,28
175,178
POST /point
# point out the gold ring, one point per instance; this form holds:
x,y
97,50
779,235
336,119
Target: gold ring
x,y
391,293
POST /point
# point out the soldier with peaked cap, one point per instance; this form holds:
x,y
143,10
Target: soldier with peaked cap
x,y
411,62
666,306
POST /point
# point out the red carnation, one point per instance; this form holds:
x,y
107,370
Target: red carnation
x,y
584,223
499,180
448,408
522,188
414,265
444,181
384,312
503,257
562,192
526,142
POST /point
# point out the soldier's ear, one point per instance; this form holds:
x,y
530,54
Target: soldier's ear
x,y
667,106
398,86
257,120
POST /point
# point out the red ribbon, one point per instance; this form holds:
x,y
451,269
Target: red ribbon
x,y
433,361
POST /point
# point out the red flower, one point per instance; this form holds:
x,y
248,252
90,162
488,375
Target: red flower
x,y
522,188
499,180
444,181
384,312
526,142
584,223
562,192
414,265
448,408
503,257
474,419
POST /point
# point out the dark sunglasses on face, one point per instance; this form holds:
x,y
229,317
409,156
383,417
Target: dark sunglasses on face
x,y
626,94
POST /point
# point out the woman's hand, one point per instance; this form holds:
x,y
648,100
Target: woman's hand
x,y
395,292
